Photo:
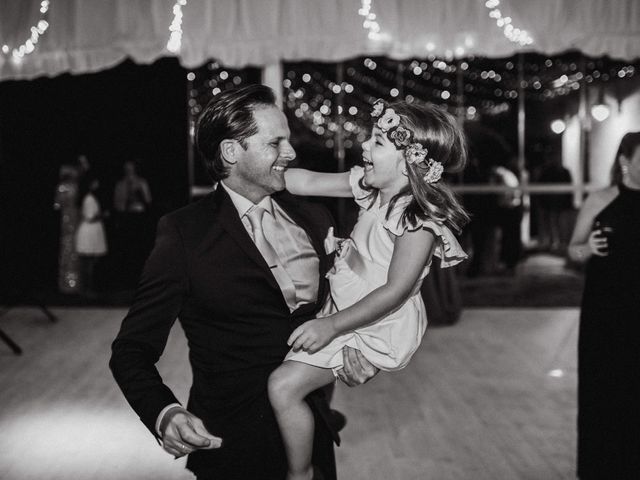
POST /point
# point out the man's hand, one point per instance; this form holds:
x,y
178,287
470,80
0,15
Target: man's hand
x,y
184,432
311,336
356,369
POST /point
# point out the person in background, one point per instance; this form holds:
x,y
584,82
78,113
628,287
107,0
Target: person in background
x,y
133,230
239,287
83,166
66,202
132,193
509,218
487,149
554,208
90,240
607,238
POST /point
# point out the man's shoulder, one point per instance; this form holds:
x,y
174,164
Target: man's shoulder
x,y
193,212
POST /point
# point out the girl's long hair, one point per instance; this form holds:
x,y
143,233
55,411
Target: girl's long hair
x,y
444,140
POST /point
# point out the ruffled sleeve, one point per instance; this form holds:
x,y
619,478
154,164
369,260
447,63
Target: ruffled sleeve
x,y
447,249
360,195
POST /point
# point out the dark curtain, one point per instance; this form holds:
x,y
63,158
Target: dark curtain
x,y
127,112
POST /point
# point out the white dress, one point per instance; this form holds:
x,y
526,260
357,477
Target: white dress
x,y
90,235
360,267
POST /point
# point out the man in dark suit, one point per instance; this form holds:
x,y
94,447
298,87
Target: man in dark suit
x,y
241,269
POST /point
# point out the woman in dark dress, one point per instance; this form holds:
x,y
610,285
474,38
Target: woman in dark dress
x,y
607,238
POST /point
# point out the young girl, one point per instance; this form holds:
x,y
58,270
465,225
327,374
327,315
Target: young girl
x,y
406,215
91,241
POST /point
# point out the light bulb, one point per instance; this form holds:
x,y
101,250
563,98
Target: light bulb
x,y
600,112
558,126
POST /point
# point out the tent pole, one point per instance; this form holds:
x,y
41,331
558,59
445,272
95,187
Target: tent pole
x,y
525,233
585,128
338,146
272,77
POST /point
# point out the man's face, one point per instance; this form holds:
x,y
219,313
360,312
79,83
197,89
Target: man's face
x,y
259,170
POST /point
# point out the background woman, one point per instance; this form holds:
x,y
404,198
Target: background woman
x,y
91,241
66,202
607,238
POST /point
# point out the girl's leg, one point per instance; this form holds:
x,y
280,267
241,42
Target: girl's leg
x,y
289,384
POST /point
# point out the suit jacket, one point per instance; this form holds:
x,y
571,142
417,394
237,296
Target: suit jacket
x,y
206,271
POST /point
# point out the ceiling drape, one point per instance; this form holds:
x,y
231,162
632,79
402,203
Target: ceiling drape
x,y
92,35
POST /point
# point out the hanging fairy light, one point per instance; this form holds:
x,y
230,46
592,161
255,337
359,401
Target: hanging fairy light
x,y
37,30
600,110
370,23
175,38
513,34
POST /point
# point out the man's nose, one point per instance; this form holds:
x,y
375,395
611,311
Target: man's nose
x,y
287,152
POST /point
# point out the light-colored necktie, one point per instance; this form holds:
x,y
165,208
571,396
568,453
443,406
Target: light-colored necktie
x,y
271,257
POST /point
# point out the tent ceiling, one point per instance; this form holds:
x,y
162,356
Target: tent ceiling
x,y
91,35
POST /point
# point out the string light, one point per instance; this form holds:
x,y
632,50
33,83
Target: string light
x,y
175,38
513,34
489,87
37,30
370,23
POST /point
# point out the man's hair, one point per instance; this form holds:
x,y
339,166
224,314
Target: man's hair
x,y
229,116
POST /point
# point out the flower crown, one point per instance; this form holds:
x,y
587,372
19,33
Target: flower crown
x,y
414,152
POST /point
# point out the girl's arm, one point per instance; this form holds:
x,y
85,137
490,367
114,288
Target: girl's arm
x,y
585,243
411,253
306,182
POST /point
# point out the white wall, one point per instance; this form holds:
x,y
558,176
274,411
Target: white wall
x,y
571,155
606,135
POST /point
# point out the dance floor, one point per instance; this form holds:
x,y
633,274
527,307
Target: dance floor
x,y
490,398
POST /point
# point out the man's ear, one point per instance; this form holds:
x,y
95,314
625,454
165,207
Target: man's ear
x,y
229,150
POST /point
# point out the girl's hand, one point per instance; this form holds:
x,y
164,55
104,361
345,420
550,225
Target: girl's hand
x,y
311,336
598,243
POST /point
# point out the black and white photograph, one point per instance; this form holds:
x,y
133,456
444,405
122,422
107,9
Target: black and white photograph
x,y
319,240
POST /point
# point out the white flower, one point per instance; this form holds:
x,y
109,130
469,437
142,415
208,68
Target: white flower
x,y
378,107
401,136
415,153
390,119
434,172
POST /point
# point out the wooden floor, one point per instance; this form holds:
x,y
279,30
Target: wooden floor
x,y
492,397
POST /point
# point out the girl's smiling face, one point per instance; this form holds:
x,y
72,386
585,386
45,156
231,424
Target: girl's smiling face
x,y
383,164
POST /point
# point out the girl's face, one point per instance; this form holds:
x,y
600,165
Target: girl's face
x,y
383,163
633,164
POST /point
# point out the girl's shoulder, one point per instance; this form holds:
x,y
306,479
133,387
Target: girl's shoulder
x,y
447,247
